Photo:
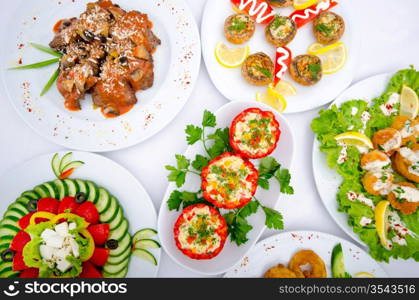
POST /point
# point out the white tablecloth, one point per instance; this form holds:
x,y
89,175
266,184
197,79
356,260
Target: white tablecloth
x,y
389,33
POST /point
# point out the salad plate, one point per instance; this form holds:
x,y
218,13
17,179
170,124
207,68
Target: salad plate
x,y
96,179
279,248
176,64
231,83
371,101
236,244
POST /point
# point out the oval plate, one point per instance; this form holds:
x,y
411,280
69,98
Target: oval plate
x,y
231,253
176,62
230,82
135,201
279,249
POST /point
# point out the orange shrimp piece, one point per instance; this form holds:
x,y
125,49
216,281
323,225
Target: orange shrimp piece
x,y
388,140
407,128
403,205
374,160
377,183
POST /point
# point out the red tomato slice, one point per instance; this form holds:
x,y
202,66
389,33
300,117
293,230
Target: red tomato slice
x,y
69,204
30,273
18,263
89,271
100,233
19,241
100,256
253,147
88,211
227,201
48,205
214,217
24,221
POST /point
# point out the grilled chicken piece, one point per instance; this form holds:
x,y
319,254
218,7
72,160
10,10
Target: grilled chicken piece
x,y
141,75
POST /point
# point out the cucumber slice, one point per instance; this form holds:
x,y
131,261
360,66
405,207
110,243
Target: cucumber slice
x,y
52,190
145,233
65,161
83,188
147,244
23,200
110,213
115,269
120,231
338,263
72,188
55,164
123,245
11,220
121,274
14,212
104,201
119,218
115,260
31,195
5,245
93,192
8,229
6,270
19,207
42,191
144,254
72,165
61,187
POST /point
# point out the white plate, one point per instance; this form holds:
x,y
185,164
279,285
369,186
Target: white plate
x,y
135,201
279,249
230,82
328,180
176,60
231,253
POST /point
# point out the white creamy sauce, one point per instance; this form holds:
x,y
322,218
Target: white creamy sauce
x,y
255,10
283,55
399,240
393,143
377,165
384,183
351,127
343,155
407,193
398,226
409,130
365,221
365,117
354,110
413,158
352,196
308,12
388,108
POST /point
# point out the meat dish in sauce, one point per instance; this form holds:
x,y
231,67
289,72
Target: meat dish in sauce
x,y
107,52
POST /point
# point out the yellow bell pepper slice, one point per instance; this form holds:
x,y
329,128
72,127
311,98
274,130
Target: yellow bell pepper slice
x,y
90,245
41,214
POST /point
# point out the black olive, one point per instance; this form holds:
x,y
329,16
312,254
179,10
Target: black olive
x,y
80,197
103,39
32,205
112,244
7,255
66,23
123,60
88,35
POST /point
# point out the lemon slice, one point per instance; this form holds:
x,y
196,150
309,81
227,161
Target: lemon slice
x,y
364,275
230,57
301,4
409,103
353,138
283,88
381,222
273,99
333,57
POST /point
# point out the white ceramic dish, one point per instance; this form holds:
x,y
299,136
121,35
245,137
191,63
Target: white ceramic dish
x,y
135,201
328,180
176,60
279,249
230,82
231,253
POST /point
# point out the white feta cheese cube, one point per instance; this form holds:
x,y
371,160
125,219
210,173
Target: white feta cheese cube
x,y
46,251
63,265
74,248
55,241
62,229
47,233
72,226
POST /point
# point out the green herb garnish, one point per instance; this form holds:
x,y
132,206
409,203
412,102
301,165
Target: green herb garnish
x,y
326,30
264,71
314,70
46,49
237,25
50,82
278,21
37,65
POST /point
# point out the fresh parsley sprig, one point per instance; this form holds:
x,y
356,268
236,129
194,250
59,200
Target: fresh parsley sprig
x,y
268,168
178,174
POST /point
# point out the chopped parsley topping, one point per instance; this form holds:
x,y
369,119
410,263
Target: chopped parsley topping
x,y
278,21
326,30
264,71
237,25
314,70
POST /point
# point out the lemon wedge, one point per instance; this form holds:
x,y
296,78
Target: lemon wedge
x,y
381,222
273,99
301,4
409,103
333,57
283,88
230,57
364,275
353,138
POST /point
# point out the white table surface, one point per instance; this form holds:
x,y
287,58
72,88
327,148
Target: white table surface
x,y
388,30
